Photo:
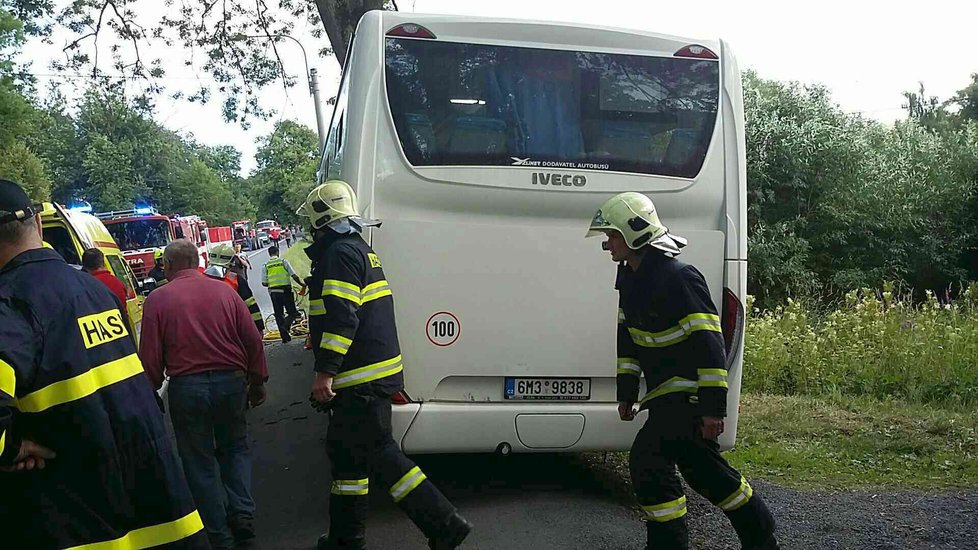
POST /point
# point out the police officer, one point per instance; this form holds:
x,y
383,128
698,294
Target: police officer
x,y
275,276
84,449
221,258
669,331
358,368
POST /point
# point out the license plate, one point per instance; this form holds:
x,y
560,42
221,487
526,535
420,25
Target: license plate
x,y
556,389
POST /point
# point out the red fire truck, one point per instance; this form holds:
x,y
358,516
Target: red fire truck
x,y
142,231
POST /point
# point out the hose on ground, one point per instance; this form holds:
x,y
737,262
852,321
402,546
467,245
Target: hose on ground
x,y
299,329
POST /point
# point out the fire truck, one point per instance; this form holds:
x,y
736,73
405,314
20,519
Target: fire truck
x,y
142,231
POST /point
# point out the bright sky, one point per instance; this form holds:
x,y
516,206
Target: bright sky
x,y
866,51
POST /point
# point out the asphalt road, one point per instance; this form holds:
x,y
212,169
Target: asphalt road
x,y
525,501
258,259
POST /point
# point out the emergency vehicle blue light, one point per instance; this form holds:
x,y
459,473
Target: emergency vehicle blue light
x,y
80,206
144,210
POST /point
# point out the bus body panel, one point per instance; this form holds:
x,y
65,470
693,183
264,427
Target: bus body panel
x,y
508,257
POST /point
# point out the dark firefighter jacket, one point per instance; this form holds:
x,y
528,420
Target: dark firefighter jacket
x,y
351,316
240,284
669,331
70,380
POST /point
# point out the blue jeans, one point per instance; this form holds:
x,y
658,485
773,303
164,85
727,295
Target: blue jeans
x,y
208,414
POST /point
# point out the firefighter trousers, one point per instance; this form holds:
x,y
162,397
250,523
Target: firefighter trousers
x,y
365,458
669,440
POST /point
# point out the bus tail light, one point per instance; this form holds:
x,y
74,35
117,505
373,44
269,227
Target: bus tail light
x,y
732,323
400,398
696,51
410,30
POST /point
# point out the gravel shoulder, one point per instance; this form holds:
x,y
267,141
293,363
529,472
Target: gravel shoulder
x,y
864,520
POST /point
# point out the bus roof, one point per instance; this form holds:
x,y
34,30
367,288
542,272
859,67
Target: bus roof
x,y
545,34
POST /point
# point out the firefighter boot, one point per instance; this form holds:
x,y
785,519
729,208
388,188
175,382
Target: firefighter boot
x,y
326,543
452,534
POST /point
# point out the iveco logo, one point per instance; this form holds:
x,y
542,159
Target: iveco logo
x,y
553,178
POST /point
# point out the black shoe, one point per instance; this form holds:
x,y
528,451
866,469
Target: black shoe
x,y
242,529
452,534
326,543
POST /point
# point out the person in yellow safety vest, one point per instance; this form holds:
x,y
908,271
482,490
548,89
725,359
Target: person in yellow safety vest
x,y
358,369
275,276
85,457
219,268
669,332
157,273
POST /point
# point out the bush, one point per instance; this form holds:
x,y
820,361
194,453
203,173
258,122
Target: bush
x,y
878,345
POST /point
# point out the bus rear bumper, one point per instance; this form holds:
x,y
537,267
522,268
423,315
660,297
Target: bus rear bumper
x,y
440,427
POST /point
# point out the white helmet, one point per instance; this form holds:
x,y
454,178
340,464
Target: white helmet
x,y
221,255
329,203
633,216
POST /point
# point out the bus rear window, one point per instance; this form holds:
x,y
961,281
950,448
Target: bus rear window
x,y
476,105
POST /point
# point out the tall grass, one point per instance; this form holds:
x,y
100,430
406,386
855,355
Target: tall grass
x,y
877,344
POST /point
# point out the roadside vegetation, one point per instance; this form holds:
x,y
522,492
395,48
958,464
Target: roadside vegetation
x,y
879,392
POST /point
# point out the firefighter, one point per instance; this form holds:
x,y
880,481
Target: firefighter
x,y
219,268
669,331
84,452
276,276
157,273
358,368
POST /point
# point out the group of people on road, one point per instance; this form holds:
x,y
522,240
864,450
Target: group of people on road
x,y
77,400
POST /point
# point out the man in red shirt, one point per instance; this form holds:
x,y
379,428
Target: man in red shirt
x,y
199,332
93,261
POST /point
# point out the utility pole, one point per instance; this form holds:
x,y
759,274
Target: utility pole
x,y
313,81
320,124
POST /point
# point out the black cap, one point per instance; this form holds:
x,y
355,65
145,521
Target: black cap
x,y
14,202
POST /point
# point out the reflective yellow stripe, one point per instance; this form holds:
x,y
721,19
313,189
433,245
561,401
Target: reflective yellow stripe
x,y
621,315
317,307
256,316
342,289
81,386
350,487
8,379
738,498
3,441
337,343
251,301
674,335
667,511
712,378
375,290
408,483
148,537
368,373
627,365
701,321
672,385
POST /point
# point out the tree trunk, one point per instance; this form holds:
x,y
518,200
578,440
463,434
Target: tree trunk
x,y
340,18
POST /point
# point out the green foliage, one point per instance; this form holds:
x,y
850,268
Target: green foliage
x,y
20,164
881,346
837,202
286,171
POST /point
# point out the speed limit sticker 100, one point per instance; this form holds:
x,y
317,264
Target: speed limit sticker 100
x,y
443,329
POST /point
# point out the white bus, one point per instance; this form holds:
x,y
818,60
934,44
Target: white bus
x,y
486,146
